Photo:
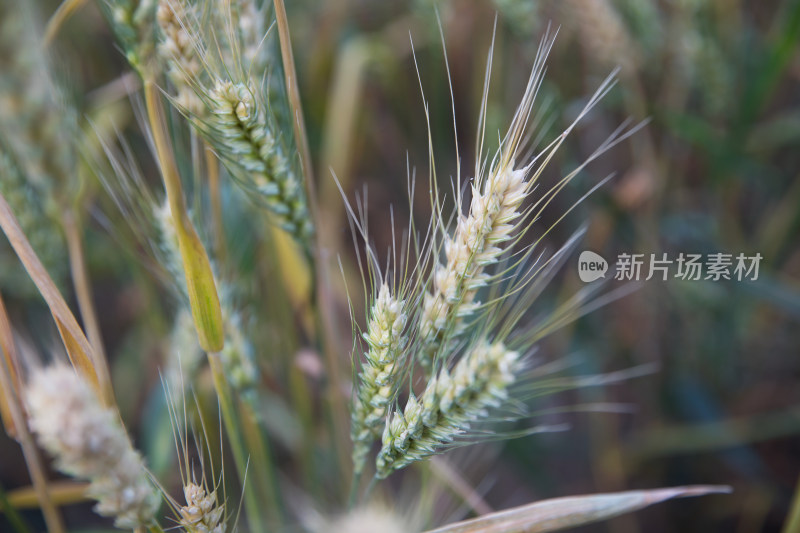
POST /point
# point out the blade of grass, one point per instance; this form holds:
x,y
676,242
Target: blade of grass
x,y
201,287
78,347
792,524
12,515
61,15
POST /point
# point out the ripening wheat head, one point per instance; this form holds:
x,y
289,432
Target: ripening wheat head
x,y
178,50
452,401
201,514
500,213
202,509
88,442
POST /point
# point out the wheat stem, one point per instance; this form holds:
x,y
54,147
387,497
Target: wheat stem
x,y
325,308
201,286
10,390
293,90
255,509
83,291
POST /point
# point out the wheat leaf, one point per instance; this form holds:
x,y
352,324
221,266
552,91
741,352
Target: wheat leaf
x,y
78,348
561,513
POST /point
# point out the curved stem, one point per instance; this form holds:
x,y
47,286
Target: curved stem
x,y
324,302
83,291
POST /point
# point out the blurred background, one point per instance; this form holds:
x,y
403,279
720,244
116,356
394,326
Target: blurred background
x,y
716,169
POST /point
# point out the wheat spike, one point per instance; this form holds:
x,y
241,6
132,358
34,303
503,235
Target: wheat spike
x,y
178,49
133,22
377,381
242,134
451,403
201,514
476,244
88,442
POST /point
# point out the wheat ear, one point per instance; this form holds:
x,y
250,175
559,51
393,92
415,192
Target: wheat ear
x,y
88,442
244,136
132,22
451,403
377,379
202,513
179,50
476,244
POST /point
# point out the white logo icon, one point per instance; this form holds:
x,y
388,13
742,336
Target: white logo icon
x,y
591,266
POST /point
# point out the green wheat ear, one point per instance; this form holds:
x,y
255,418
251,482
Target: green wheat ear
x,y
244,135
224,91
452,402
378,379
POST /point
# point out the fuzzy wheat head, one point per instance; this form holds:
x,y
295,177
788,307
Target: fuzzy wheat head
x,y
377,380
178,49
602,32
88,442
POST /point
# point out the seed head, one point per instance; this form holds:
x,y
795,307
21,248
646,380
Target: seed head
x,y
88,442
452,403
